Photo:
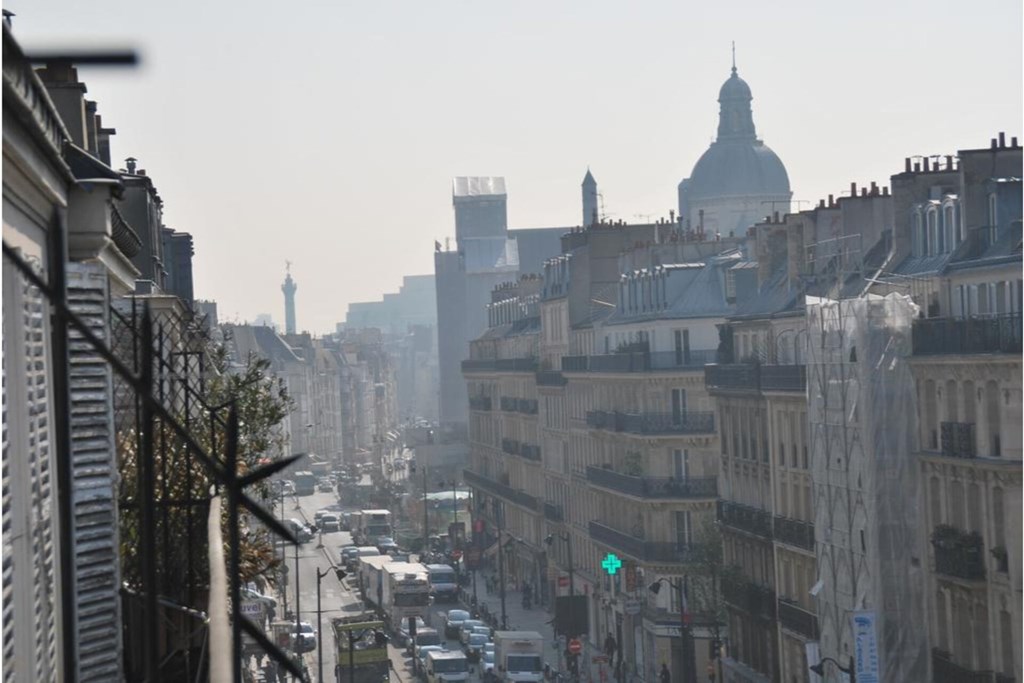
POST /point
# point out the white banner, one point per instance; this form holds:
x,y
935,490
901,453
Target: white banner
x,y
865,643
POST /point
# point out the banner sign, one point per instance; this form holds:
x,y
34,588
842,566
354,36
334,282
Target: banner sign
x,y
865,644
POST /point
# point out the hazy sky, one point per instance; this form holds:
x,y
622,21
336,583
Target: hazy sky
x,y
327,133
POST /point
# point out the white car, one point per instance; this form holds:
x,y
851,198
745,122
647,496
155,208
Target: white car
x,y
305,639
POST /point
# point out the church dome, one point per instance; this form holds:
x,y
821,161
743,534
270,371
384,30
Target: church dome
x,y
738,168
737,163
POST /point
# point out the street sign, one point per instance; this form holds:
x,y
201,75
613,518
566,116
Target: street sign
x,y
563,581
575,646
631,606
611,564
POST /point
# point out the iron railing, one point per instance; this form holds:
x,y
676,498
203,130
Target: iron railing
x,y
638,548
499,365
640,361
797,619
957,439
959,554
745,518
551,378
993,334
795,532
750,597
735,377
149,366
653,423
480,403
653,487
553,512
784,378
500,490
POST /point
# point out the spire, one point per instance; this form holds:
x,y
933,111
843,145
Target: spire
x,y
589,179
734,56
735,119
589,199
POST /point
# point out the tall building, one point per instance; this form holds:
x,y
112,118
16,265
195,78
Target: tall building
x,y
739,179
289,287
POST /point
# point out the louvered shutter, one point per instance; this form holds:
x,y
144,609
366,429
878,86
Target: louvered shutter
x,y
94,463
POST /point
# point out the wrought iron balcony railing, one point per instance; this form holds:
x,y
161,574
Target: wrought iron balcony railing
x,y
640,361
784,378
745,518
735,376
957,439
480,402
959,554
749,596
496,488
993,334
653,423
637,548
797,619
500,365
794,532
653,487
553,512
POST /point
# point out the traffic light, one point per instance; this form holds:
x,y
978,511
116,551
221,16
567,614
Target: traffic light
x,y
715,649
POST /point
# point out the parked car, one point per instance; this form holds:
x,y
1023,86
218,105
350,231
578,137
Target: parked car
x,y
487,664
301,531
325,486
424,636
319,515
348,553
329,522
304,640
453,621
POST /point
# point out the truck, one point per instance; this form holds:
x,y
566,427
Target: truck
x,y
361,651
446,666
442,583
372,576
517,656
371,525
406,593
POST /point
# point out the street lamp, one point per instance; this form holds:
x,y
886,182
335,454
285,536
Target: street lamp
x,y
568,545
686,638
819,668
319,623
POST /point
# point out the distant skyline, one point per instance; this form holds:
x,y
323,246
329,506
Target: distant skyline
x,y
327,134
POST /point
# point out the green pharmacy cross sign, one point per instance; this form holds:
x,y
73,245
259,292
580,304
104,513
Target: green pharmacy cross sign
x,y
611,564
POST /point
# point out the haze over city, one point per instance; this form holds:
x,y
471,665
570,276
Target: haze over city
x,y
327,134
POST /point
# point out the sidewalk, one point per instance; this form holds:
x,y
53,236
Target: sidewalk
x,y
534,619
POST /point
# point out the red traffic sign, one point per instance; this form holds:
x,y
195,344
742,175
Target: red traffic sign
x,y
563,581
575,646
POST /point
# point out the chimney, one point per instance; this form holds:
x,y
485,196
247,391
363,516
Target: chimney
x,y
917,167
926,169
863,192
103,139
130,162
906,165
91,134
831,200
885,191
821,203
874,189
1002,139
1013,142
853,189
776,217
68,95
949,162
993,143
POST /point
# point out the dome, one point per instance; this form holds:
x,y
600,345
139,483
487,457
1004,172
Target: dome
x,y
735,88
740,167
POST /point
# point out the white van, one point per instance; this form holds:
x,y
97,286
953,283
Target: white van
x,y
445,666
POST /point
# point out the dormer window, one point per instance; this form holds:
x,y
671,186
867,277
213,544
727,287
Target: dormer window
x,y
934,243
917,235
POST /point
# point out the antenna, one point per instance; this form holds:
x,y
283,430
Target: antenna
x,y
734,56
600,202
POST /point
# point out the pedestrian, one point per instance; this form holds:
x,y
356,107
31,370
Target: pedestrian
x,y
664,676
609,647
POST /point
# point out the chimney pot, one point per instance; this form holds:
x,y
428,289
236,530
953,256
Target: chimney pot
x,y
1002,139
853,189
993,143
906,165
831,200
863,192
949,162
874,188
885,191
1013,142
926,169
917,167
821,203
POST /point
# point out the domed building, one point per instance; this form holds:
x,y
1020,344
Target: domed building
x,y
739,180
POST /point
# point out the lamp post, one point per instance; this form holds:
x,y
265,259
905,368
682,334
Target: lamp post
x,y
689,663
295,638
819,668
319,622
568,547
501,566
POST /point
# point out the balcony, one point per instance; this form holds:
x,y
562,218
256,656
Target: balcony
x,y
529,452
734,377
499,365
745,518
797,619
957,439
551,378
553,512
995,334
653,487
945,670
958,554
479,402
500,490
750,597
653,424
784,378
641,361
526,406
637,548
794,532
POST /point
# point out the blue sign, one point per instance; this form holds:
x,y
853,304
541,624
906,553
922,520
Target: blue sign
x,y
865,648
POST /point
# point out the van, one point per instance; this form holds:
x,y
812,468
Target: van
x,y
447,667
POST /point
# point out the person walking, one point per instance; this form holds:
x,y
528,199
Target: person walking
x,y
664,676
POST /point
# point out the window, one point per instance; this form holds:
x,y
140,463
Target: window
x,y
917,235
678,405
934,246
992,418
681,463
683,527
993,218
949,228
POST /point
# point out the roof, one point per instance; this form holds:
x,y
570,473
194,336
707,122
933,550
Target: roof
x,y
478,186
737,167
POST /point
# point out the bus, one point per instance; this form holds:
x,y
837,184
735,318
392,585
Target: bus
x,y
361,649
305,483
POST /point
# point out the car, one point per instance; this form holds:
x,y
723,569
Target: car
x,y
403,630
424,637
453,621
304,639
318,515
466,628
386,544
347,552
487,665
301,531
324,486
485,630
288,488
329,523
475,646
